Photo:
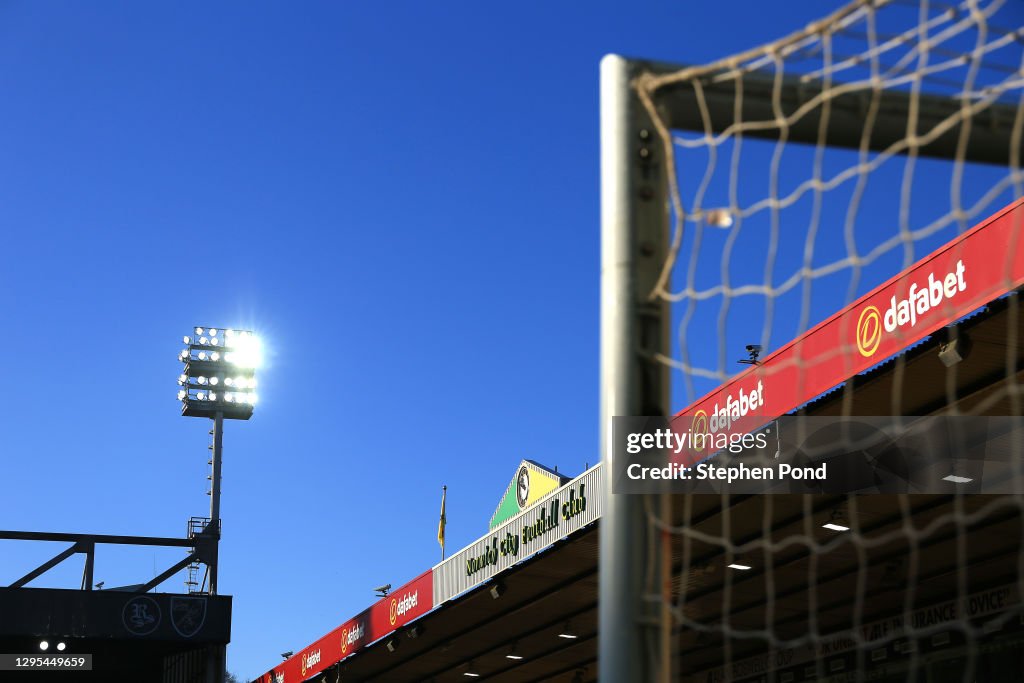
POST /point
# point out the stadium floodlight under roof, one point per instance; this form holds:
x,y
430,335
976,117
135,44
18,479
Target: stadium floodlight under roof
x,y
220,373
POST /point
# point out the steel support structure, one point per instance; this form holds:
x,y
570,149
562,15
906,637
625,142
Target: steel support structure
x,y
218,446
202,549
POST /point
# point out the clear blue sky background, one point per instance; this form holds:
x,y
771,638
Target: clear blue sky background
x,y
402,198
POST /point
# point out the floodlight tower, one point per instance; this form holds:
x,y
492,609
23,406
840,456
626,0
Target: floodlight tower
x,y
218,383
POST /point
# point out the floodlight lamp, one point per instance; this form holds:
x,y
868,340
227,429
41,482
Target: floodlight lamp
x,y
213,333
202,355
214,380
186,339
201,396
199,330
228,381
214,356
201,380
247,352
61,646
182,394
213,396
214,341
182,379
203,340
229,398
44,646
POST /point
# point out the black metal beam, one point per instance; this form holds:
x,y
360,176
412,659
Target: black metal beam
x,y
46,566
87,571
677,103
177,567
96,538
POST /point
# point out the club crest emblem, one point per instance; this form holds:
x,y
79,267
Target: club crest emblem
x,y
141,615
188,615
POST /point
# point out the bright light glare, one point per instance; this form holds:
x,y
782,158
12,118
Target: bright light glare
x,y
213,333
248,352
187,340
835,527
213,381
213,396
199,330
203,340
43,645
741,567
181,395
214,356
61,646
957,479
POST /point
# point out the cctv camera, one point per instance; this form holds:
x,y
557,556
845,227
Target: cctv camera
x,y
754,348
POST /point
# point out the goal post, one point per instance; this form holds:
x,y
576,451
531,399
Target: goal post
x,y
926,89
634,327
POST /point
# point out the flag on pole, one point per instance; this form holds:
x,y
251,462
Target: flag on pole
x,y
440,524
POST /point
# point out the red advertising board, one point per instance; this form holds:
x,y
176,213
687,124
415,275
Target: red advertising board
x,y
978,266
404,604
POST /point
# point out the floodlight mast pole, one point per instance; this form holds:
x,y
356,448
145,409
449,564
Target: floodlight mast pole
x,y
634,326
218,444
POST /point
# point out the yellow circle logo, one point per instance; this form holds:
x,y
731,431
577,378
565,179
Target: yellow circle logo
x,y
394,611
344,640
869,331
699,426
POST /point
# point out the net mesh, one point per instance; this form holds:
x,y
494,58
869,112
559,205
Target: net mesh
x,y
775,227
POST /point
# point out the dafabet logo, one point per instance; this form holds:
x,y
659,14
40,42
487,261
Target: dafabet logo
x,y
920,299
309,660
401,607
351,636
869,331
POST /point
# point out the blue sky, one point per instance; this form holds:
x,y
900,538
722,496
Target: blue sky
x,y
401,198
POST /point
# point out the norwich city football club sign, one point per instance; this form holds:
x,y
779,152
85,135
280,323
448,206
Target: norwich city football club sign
x,y
532,482
561,512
